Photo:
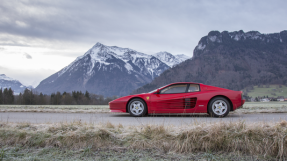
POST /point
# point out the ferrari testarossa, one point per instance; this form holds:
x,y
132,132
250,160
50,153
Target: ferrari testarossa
x,y
183,97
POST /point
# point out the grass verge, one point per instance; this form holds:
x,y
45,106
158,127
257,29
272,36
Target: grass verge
x,y
267,141
249,107
52,153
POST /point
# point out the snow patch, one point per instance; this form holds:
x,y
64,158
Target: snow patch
x,y
200,46
237,37
255,37
119,51
129,67
212,38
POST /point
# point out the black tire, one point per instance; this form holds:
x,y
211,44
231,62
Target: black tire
x,y
219,111
141,104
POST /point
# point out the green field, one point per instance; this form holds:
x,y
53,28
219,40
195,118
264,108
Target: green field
x,y
271,91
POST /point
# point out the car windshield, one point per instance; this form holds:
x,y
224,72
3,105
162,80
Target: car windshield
x,y
156,89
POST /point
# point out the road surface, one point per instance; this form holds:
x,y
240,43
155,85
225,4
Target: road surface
x,y
126,119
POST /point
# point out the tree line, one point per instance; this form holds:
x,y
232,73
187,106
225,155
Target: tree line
x,y
31,97
6,96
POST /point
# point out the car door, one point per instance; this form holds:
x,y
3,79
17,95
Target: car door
x,y
191,96
170,98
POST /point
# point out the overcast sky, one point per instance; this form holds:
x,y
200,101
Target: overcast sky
x,y
39,38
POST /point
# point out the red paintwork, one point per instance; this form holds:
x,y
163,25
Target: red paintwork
x,y
192,102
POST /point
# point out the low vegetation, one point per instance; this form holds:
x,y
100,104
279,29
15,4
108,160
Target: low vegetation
x,y
266,141
263,107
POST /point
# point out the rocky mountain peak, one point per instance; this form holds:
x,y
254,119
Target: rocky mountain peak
x,y
97,45
237,38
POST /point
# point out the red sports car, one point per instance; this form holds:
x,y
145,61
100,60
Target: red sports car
x,y
183,97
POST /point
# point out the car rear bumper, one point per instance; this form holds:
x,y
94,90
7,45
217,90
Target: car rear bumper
x,y
242,102
241,105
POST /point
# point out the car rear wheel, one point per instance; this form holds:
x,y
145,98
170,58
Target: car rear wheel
x,y
137,107
218,107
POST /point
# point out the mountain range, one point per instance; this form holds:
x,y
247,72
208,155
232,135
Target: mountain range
x,y
15,85
109,71
232,60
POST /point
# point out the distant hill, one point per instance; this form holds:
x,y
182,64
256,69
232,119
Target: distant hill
x,y
108,71
232,60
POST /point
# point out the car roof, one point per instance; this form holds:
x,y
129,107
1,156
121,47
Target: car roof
x,y
201,84
184,83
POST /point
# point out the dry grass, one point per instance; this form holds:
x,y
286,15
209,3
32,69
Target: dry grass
x,y
56,108
249,139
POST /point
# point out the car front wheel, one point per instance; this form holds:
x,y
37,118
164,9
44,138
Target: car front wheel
x,y
219,107
137,107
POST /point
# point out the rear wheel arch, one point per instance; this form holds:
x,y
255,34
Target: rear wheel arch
x,y
127,110
231,105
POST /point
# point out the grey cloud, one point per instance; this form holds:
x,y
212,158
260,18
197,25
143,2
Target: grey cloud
x,y
175,26
1,48
27,56
2,68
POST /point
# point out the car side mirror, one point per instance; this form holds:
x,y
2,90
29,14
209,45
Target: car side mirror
x,y
157,91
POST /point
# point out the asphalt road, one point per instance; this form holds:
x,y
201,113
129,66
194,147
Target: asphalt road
x,y
126,119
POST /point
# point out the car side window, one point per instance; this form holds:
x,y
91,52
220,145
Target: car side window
x,y
193,88
180,88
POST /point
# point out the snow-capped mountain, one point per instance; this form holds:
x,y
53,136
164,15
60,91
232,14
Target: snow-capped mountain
x,y
7,82
105,70
181,57
170,59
